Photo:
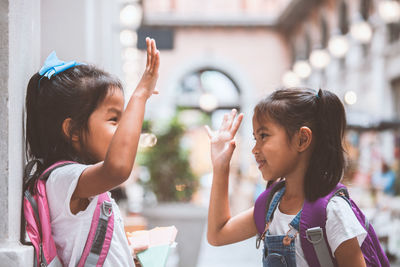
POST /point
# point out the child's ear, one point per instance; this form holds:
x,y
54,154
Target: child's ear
x,y
66,128
304,138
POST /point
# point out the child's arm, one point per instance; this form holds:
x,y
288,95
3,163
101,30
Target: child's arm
x,y
118,163
349,254
222,229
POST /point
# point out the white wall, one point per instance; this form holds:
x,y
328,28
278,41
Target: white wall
x,y
19,54
30,30
85,31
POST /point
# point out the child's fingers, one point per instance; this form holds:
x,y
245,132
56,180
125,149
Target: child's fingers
x,y
233,144
231,117
154,45
153,51
236,125
208,130
156,62
154,54
148,44
156,92
224,124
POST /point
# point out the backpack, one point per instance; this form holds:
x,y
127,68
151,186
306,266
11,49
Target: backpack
x,y
38,227
312,233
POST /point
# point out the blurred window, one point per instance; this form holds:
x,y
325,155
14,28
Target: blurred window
x,y
218,86
394,32
164,37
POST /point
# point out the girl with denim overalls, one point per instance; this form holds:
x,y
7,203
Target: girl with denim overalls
x,y
298,138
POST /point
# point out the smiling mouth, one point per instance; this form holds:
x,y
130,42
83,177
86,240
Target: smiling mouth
x,y
261,163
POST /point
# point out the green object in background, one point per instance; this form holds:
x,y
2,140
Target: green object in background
x,y
171,176
154,256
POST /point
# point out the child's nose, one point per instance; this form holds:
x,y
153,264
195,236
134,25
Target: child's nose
x,y
255,149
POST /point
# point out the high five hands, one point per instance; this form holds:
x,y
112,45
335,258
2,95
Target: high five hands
x,y
146,86
223,140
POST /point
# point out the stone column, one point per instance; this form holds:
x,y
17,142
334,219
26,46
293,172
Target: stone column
x,y
19,59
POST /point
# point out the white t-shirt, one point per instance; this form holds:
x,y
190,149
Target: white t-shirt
x,y
341,225
70,231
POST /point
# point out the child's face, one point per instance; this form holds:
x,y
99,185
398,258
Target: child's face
x,y
102,124
275,155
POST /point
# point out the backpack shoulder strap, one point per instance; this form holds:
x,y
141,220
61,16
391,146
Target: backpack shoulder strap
x,y
101,229
36,219
262,203
56,165
312,230
100,234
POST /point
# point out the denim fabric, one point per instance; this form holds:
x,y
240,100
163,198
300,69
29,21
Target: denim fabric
x,y
275,253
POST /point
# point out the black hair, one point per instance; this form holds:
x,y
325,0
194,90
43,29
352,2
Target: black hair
x,y
74,93
324,114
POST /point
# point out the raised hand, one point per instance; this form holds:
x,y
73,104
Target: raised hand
x,y
147,84
222,141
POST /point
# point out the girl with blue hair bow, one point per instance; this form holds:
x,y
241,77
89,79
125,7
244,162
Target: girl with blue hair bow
x,y
75,112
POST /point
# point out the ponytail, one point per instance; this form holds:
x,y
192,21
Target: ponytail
x,y
32,123
327,161
33,147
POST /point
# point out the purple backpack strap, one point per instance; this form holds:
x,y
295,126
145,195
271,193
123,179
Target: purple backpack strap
x,y
260,207
260,212
373,253
314,215
100,234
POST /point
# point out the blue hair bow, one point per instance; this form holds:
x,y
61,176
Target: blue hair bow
x,y
53,65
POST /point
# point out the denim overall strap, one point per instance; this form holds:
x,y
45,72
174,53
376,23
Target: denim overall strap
x,y
295,223
274,203
280,250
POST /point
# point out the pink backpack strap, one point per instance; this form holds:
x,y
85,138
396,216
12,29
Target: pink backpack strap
x,y
100,234
58,164
101,229
37,217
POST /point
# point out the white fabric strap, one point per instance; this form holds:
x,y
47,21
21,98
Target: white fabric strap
x,y
316,237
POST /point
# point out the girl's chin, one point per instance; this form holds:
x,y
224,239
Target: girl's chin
x,y
268,178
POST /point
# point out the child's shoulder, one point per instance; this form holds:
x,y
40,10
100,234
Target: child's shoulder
x,y
339,208
66,173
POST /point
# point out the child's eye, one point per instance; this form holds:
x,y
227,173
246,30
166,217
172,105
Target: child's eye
x,y
263,135
114,119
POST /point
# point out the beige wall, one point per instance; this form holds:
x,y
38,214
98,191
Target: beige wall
x,y
265,8
254,58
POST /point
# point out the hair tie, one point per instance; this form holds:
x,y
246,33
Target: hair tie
x,y
53,65
317,95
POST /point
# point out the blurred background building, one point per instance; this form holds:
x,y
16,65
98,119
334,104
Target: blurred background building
x,y
216,55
